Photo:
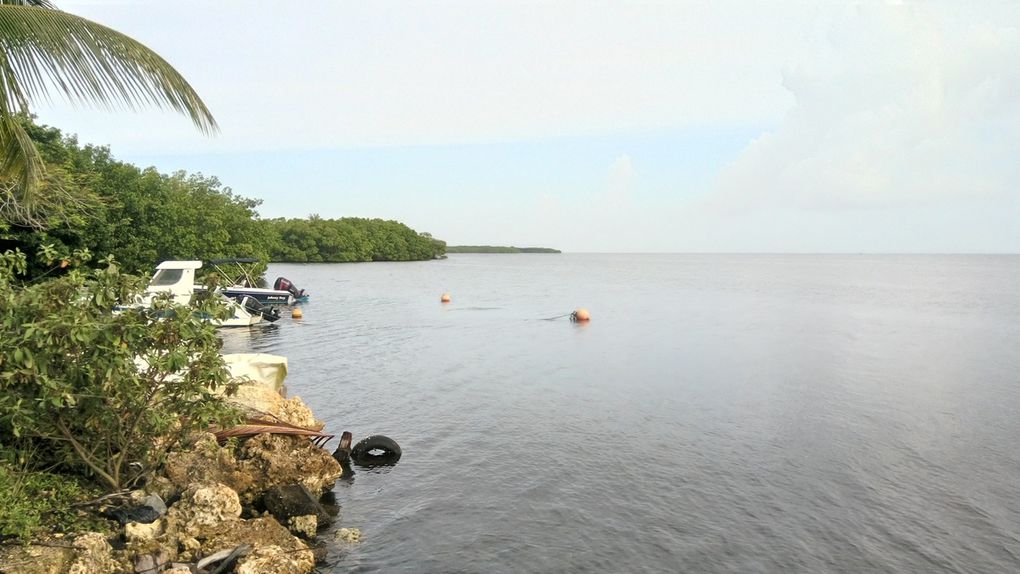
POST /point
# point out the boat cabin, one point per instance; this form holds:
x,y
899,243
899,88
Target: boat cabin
x,y
176,278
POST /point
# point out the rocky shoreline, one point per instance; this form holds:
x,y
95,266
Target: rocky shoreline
x,y
249,504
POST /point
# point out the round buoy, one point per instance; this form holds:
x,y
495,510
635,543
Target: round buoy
x,y
296,313
580,315
445,298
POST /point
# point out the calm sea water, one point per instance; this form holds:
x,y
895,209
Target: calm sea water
x,y
719,413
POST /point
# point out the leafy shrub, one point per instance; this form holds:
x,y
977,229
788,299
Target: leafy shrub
x,y
99,392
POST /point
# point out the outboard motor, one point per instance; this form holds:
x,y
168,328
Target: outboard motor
x,y
255,308
284,284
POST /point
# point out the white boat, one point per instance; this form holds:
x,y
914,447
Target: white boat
x,y
178,279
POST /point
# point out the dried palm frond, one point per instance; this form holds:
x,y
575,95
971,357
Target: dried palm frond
x,y
253,427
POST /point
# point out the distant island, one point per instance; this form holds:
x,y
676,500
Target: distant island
x,y
497,249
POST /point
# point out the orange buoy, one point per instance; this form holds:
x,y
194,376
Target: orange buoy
x,y
580,315
445,298
296,313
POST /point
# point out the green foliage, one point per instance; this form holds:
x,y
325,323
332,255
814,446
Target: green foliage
x,y
142,217
33,501
317,240
497,249
99,392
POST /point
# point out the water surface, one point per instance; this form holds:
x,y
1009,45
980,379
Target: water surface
x,y
721,413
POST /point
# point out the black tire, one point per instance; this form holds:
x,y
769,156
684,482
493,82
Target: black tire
x,y
376,450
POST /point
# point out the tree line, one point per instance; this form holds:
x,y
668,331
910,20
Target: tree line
x,y
142,217
497,249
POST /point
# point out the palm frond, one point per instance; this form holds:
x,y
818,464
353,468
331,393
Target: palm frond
x,y
39,3
19,159
41,49
253,427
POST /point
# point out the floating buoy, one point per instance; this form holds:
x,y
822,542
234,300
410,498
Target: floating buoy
x,y
296,313
445,298
580,315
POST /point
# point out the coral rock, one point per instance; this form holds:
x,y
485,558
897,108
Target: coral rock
x,y
203,505
348,535
260,533
281,459
275,560
94,555
36,559
137,532
205,462
304,526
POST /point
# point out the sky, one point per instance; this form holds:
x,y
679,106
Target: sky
x,y
798,126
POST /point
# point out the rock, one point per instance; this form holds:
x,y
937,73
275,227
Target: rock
x,y
203,505
282,459
190,545
93,555
348,535
261,462
304,526
161,486
154,502
178,569
259,533
222,561
36,559
205,462
151,563
287,501
137,532
274,560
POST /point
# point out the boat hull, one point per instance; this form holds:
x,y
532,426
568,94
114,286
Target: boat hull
x,y
263,296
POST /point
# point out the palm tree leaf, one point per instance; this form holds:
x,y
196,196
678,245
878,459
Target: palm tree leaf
x,y
19,159
253,427
39,3
42,49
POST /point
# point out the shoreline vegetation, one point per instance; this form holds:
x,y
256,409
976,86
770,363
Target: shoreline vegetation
x,y
498,249
141,217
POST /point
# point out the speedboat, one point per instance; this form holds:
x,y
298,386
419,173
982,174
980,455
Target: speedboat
x,y
243,282
178,279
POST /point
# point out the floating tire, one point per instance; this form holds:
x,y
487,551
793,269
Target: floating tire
x,y
376,450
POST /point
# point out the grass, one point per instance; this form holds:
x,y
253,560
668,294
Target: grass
x,y
34,503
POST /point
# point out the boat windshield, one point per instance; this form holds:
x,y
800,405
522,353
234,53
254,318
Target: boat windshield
x,y
165,277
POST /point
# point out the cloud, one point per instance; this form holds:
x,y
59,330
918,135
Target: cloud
x,y
906,105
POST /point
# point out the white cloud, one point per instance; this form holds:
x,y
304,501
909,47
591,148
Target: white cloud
x,y
907,105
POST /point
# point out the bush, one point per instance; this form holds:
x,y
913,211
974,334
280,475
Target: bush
x,y
102,393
